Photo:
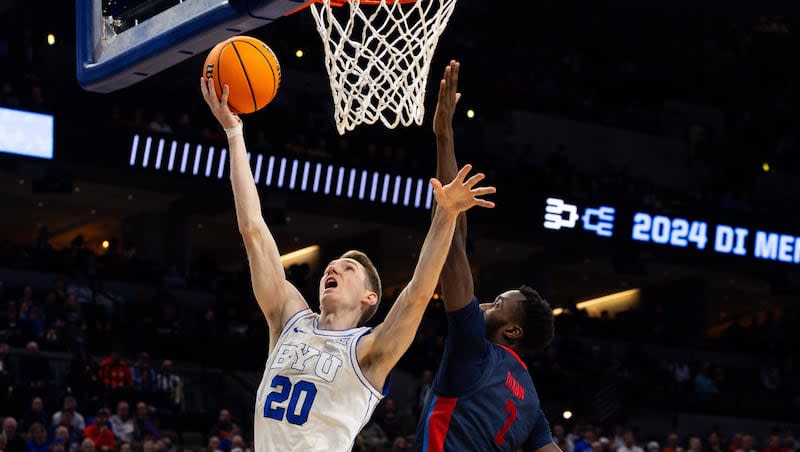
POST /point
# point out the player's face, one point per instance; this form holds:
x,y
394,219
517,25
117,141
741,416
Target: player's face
x,y
503,310
344,281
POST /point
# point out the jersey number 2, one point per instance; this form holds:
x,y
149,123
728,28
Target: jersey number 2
x,y
284,390
511,411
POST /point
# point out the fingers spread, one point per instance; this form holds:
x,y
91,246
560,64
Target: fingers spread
x,y
484,203
462,173
483,191
474,180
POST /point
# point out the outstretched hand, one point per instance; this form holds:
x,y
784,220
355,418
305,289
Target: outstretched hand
x,y
460,195
219,107
448,98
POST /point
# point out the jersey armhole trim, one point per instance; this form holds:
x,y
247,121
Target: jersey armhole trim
x,y
357,366
293,319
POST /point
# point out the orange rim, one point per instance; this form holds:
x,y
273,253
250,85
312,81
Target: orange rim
x,y
339,3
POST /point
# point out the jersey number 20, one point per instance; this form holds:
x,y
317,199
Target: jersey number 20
x,y
284,390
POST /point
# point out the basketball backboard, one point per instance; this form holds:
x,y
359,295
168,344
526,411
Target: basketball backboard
x,y
121,42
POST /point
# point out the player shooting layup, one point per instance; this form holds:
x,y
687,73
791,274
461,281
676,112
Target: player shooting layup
x,y
326,372
483,398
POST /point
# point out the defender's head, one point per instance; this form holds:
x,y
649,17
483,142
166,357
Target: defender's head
x,y
520,319
351,283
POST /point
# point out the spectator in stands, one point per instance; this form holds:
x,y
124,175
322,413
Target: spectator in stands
x,y
37,438
8,98
184,128
33,414
14,441
27,297
144,377
213,444
70,405
68,436
32,323
87,445
748,443
695,444
401,444
681,372
170,387
224,429
34,372
372,436
559,435
629,444
423,390
173,277
74,320
390,419
736,442
36,101
170,397
774,444
703,383
145,427
770,376
82,380
159,123
237,444
100,433
122,424
7,377
584,443
9,324
115,375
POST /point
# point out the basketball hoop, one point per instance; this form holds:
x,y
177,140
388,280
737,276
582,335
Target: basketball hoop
x,y
378,55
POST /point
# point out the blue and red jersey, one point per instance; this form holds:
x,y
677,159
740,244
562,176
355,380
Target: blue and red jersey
x,y
483,397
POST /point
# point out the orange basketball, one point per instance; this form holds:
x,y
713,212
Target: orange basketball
x,y
249,68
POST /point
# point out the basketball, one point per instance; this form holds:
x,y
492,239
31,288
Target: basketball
x,y
249,67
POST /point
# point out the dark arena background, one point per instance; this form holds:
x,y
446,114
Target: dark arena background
x,y
647,162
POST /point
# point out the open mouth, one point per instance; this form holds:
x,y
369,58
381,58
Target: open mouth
x,y
331,283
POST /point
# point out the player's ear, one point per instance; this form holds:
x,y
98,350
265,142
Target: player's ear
x,y
371,298
513,332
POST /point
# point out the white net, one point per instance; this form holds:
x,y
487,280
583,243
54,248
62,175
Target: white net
x,y
378,57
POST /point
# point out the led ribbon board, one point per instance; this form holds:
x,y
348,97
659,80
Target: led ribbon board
x,y
673,231
168,155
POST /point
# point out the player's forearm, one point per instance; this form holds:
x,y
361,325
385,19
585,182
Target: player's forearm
x,y
262,251
446,169
456,278
245,195
446,165
432,256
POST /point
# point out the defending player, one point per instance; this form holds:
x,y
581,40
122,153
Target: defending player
x,y
483,398
326,372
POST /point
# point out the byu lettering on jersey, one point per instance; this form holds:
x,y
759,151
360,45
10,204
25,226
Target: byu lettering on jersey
x,y
313,395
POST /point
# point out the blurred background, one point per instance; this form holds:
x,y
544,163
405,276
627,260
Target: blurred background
x,y
124,283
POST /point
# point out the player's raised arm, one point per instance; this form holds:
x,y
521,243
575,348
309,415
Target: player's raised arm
x,y
277,297
379,352
456,280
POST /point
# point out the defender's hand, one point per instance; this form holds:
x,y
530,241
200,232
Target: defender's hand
x,y
460,195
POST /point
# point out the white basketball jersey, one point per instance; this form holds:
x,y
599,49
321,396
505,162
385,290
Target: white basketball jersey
x,y
313,395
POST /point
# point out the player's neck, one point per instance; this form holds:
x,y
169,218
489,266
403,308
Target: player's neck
x,y
337,321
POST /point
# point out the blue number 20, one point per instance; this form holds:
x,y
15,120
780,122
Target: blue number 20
x,y
283,391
